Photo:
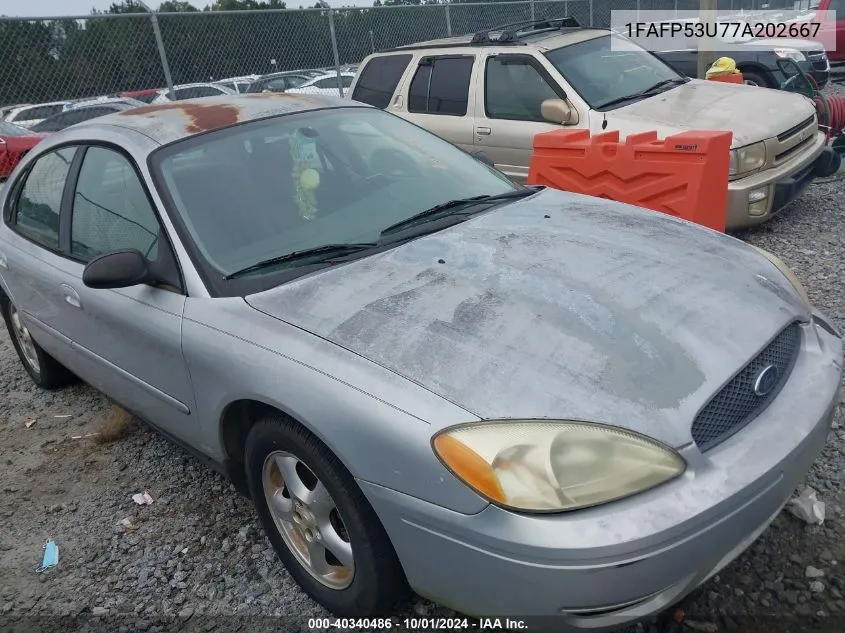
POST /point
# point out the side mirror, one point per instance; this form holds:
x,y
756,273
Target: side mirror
x,y
118,269
559,111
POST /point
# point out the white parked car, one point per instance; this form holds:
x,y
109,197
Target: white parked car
x,y
135,103
192,91
238,84
27,116
325,84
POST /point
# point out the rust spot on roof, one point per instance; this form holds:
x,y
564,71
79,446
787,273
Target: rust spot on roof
x,y
202,117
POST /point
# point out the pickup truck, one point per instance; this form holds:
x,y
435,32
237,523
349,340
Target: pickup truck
x,y
493,94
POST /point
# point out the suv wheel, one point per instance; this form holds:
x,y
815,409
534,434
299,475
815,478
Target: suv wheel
x,y
319,522
45,371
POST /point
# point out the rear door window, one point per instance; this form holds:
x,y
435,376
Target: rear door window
x,y
379,79
441,86
39,203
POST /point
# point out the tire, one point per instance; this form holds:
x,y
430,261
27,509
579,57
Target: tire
x,y
751,78
45,371
376,582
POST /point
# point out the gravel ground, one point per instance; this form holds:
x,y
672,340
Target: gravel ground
x,y
198,560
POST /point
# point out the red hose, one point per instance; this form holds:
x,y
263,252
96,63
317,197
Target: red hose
x,y
831,113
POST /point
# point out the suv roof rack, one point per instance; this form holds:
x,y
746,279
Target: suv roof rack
x,y
509,33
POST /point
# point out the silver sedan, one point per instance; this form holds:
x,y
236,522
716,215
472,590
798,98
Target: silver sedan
x,y
515,401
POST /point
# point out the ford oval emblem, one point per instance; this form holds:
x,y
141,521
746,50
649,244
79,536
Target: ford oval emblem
x,y
766,381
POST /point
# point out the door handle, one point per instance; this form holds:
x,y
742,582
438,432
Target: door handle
x,y
71,296
483,131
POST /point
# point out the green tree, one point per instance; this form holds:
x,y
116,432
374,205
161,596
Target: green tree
x,y
176,6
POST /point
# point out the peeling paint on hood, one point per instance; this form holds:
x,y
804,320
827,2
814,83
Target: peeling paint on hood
x,y
601,312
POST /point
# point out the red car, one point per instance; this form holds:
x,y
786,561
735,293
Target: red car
x,y
141,95
837,9
15,141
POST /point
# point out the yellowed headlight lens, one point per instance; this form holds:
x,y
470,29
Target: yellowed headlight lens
x,y
554,465
787,272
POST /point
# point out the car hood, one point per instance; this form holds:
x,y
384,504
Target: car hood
x,y
558,306
712,105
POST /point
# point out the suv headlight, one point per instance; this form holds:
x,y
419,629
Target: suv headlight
x,y
747,159
790,276
790,53
554,465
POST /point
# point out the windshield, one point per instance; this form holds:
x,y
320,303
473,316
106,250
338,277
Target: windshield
x,y
9,129
609,67
268,188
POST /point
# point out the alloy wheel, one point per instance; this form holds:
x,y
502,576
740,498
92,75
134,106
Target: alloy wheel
x,y
308,520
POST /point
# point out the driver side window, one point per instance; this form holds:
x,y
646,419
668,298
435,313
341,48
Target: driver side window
x,y
514,89
111,210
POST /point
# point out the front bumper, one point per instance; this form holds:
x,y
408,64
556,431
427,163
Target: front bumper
x,y
781,185
607,566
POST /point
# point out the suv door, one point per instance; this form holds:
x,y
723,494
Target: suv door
x,y
30,257
512,86
438,97
128,340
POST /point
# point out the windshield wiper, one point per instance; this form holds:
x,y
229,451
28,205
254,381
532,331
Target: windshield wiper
x,y
646,92
322,253
442,209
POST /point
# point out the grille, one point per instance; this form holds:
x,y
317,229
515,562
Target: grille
x,y
794,130
737,403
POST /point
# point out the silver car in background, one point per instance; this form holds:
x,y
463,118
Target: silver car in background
x,y
516,401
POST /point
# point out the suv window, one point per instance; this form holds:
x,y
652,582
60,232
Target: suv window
x,y
514,88
40,200
441,86
111,210
379,79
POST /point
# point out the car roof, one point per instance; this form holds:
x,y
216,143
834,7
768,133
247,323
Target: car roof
x,y
544,40
170,122
104,101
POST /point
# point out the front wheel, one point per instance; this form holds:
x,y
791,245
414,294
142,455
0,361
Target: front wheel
x,y
319,522
45,371
751,78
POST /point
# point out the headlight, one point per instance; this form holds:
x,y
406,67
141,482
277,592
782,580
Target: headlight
x,y
786,272
554,465
790,53
748,158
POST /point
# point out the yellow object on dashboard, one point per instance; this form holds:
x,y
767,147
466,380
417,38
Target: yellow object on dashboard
x,y
722,66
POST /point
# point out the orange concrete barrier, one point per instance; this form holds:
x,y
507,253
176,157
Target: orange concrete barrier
x,y
684,175
736,78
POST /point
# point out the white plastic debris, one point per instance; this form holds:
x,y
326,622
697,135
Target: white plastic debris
x,y
127,524
143,498
806,506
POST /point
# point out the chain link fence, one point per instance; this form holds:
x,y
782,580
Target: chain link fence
x,y
72,58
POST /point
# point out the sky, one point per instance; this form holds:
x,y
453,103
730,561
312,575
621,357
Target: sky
x,y
40,8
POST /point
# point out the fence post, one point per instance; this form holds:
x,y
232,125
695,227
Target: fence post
x,y
591,13
448,21
162,54
638,10
532,10
676,9
334,51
